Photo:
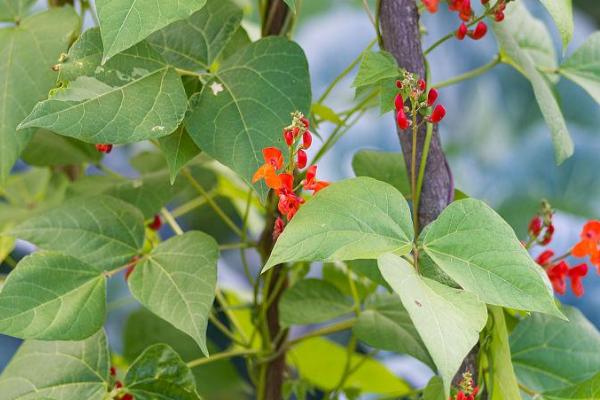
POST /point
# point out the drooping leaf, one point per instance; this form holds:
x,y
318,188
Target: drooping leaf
x,y
384,166
448,320
583,66
196,42
135,96
27,52
248,102
124,23
385,324
326,113
550,354
312,301
49,149
321,362
177,282
562,14
159,373
586,390
100,230
375,67
14,10
53,297
480,251
58,370
179,149
514,54
358,218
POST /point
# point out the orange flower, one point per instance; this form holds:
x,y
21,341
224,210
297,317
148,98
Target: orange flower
x,y
589,245
268,171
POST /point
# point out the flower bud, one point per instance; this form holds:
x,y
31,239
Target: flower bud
x,y
398,102
438,113
156,223
479,32
306,139
461,32
422,84
104,147
401,119
432,96
289,137
535,226
301,159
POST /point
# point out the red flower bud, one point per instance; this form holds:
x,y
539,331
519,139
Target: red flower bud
x,y
305,122
301,159
535,226
499,16
296,132
479,32
399,84
401,119
104,147
289,137
461,32
113,371
306,139
278,228
422,84
432,96
127,397
544,257
156,223
398,102
118,384
439,112
548,235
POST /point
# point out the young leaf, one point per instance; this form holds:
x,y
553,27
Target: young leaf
x,y
448,320
358,218
135,96
27,52
100,230
14,10
160,373
586,390
177,282
385,324
583,66
562,14
550,354
179,149
58,370
513,53
53,297
196,42
375,67
124,23
311,301
245,106
480,251
384,166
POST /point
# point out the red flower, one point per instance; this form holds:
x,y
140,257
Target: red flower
x,y
104,147
278,228
462,31
589,245
422,84
479,32
432,96
156,223
402,120
306,139
399,102
289,203
431,5
544,257
311,183
548,235
268,171
499,16
557,275
437,114
301,159
535,226
576,274
288,136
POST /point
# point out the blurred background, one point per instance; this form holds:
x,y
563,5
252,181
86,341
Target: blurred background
x,y
498,146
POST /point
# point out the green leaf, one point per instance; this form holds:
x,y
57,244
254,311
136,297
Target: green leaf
x,y
124,23
177,282
375,67
311,301
179,149
326,113
49,149
358,218
480,251
384,166
53,297
434,389
26,53
322,363
196,42
562,14
58,370
247,103
583,66
385,324
514,54
449,320
550,354
503,383
291,4
586,390
339,275
100,230
14,10
159,373
135,96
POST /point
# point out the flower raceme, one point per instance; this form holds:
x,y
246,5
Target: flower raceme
x,y
421,101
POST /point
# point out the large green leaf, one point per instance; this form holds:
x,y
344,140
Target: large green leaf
x,y
503,382
384,166
179,149
322,363
14,10
196,42
177,282
54,297
449,320
135,96
58,370
100,230
159,373
385,324
312,301
586,390
508,37
550,354
247,103
480,251
375,67
358,218
583,66
27,52
124,23
562,14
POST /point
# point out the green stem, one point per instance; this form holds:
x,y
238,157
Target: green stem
x,y
235,246
227,311
220,356
340,326
347,367
354,292
530,392
423,163
450,35
191,205
470,74
244,239
221,327
413,172
171,221
369,13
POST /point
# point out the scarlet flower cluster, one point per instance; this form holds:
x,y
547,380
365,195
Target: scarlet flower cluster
x,y
466,388
119,385
421,101
298,139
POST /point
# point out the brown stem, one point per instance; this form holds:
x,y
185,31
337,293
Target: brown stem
x,y
60,3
